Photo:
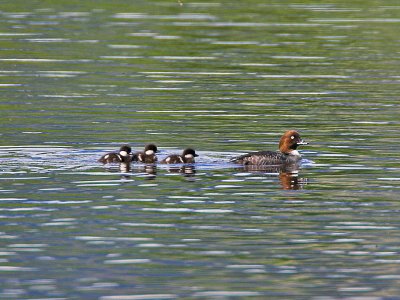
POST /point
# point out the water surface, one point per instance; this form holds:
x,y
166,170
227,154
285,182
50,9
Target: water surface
x,y
79,79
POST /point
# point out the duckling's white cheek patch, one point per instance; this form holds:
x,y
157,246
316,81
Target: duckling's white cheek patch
x,y
123,153
189,156
168,159
149,152
107,156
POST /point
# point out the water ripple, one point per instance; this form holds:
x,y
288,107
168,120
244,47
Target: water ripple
x,y
226,80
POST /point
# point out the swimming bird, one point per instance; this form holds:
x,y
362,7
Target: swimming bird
x,y
122,156
287,153
147,156
187,157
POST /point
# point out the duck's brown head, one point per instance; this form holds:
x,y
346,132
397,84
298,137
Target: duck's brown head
x,y
289,142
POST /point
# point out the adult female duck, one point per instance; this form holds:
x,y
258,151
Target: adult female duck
x,y
287,153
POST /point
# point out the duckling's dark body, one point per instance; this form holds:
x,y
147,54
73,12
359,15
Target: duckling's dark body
x,y
187,157
148,156
111,158
123,156
173,159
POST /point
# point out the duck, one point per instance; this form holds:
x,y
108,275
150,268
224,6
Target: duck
x,y
187,157
287,153
148,156
122,156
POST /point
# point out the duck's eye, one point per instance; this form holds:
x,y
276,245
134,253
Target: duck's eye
x,y
292,137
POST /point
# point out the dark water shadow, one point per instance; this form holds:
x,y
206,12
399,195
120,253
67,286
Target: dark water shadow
x,y
148,171
288,174
185,170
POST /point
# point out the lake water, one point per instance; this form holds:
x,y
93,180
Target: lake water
x,y
79,78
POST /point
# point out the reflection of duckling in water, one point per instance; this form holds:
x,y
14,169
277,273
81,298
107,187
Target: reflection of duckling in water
x,y
149,170
187,171
124,167
148,156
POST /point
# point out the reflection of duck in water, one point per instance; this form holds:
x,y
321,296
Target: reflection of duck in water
x,y
148,156
291,181
187,157
149,170
124,167
288,174
122,156
186,171
287,153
